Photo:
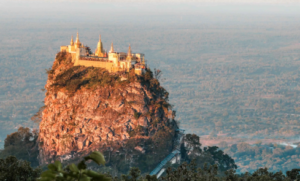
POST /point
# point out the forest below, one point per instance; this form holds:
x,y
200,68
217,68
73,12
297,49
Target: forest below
x,y
197,163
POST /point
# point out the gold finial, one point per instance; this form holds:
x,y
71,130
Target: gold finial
x,y
99,50
112,48
77,38
129,51
72,42
99,45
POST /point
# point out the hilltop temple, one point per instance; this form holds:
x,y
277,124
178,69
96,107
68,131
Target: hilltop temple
x,y
111,61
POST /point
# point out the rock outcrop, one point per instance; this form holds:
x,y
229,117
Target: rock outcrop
x,y
85,108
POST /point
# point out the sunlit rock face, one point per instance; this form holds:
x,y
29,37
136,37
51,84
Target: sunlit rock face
x,y
80,120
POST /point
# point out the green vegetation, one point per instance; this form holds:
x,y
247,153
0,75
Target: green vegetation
x,y
139,130
153,84
208,163
74,77
191,150
62,58
137,115
274,156
12,169
77,77
120,159
211,173
23,145
74,172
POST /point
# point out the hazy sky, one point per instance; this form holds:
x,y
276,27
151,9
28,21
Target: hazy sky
x,y
184,1
186,6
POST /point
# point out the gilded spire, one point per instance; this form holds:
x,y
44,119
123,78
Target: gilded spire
x,y
77,42
99,46
72,42
112,48
129,56
77,38
129,51
99,51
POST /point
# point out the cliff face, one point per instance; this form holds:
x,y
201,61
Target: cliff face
x,y
87,108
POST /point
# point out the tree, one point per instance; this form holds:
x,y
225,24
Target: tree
x,y
12,169
88,49
222,160
133,175
186,172
23,145
294,174
74,172
191,150
190,172
157,73
192,144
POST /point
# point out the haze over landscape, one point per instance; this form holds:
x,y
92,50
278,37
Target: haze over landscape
x,y
232,69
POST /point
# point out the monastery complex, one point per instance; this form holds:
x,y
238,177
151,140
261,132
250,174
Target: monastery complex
x,y
111,61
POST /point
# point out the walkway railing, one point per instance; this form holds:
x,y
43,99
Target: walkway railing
x,y
164,162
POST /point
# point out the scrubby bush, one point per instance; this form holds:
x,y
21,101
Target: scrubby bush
x,y
74,172
137,115
89,77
